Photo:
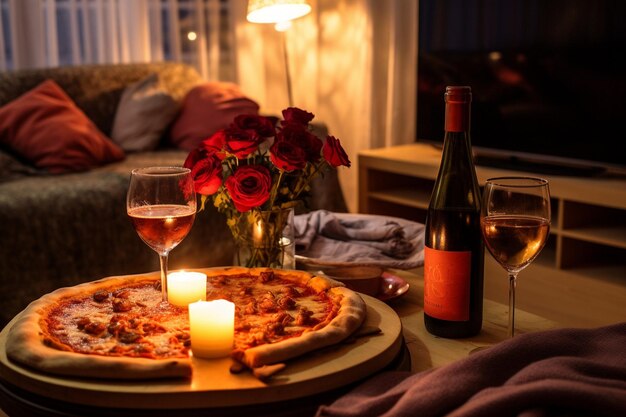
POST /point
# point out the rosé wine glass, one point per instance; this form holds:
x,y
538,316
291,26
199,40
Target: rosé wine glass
x,y
161,203
515,222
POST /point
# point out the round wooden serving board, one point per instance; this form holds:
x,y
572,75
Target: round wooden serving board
x,y
212,385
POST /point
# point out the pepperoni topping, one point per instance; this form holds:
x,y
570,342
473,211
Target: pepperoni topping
x,y
100,296
122,305
132,321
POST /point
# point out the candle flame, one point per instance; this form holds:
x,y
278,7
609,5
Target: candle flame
x,y
257,234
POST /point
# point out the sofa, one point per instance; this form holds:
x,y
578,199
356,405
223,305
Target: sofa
x,y
66,228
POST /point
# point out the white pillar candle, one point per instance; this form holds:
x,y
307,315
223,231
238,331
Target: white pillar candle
x,y
212,327
185,287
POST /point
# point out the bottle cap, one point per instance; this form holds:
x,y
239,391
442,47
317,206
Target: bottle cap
x,y
458,94
458,99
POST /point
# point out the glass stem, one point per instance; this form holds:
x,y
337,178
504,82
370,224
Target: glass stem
x,y
512,282
163,261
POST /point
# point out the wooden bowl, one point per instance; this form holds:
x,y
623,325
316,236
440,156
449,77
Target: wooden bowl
x,y
364,279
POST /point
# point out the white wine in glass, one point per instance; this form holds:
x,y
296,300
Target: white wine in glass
x,y
515,222
161,203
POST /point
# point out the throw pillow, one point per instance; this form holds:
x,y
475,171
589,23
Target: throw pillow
x,y
207,108
143,114
45,127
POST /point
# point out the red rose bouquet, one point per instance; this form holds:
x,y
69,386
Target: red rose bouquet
x,y
256,171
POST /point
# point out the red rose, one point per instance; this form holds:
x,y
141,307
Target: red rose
x,y
207,175
296,115
334,153
241,143
302,138
193,158
249,186
215,143
261,125
287,156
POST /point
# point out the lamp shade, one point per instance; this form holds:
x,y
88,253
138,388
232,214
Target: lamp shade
x,y
275,11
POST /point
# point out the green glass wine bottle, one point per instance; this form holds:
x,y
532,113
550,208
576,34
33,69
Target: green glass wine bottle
x,y
454,249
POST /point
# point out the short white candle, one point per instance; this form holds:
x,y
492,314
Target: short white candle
x,y
212,328
185,287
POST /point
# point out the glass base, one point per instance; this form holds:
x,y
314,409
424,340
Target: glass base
x,y
281,256
266,239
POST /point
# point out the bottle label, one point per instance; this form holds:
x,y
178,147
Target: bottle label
x,y
447,284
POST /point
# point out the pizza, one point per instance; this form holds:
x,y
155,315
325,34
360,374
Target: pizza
x,y
118,327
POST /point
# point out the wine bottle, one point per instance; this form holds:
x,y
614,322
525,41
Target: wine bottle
x,y
454,249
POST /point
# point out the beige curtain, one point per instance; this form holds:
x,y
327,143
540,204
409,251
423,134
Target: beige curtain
x,y
49,33
112,31
353,63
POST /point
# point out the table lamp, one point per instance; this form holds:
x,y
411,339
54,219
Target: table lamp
x,y
281,13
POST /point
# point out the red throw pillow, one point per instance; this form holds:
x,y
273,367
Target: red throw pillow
x,y
45,127
207,108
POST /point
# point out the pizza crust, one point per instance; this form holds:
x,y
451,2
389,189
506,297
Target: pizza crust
x,y
25,343
28,350
351,315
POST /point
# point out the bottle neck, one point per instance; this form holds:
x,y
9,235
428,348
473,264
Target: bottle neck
x,y
457,116
457,166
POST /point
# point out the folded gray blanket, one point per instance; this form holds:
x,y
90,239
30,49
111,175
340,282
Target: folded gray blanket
x,y
329,238
565,372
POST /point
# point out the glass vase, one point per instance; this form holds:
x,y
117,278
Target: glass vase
x,y
265,239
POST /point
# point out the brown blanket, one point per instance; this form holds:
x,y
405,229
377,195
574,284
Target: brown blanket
x,y
565,372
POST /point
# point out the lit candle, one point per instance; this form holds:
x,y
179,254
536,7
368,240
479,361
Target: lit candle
x,y
212,328
257,234
185,287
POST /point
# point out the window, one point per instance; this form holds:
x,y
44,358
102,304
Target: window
x,y
197,32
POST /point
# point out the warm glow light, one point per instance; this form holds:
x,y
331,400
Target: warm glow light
x,y
185,287
495,56
192,36
274,11
257,234
212,328
282,26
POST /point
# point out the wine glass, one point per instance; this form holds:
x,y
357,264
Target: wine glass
x,y
515,222
161,203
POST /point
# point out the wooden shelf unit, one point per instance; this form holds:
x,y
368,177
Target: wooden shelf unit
x,y
588,230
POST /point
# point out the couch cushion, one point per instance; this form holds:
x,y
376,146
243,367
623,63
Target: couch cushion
x,y
207,108
45,127
143,114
